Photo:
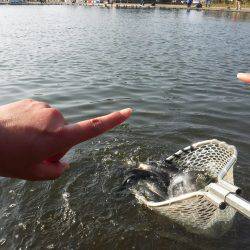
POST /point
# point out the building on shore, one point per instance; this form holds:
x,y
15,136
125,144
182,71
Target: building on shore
x,y
16,1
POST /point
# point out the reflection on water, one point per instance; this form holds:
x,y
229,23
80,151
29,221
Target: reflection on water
x,y
232,15
176,69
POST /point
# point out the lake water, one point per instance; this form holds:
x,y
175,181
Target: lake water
x,y
176,69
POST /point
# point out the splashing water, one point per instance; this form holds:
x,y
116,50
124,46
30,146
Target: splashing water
x,y
181,184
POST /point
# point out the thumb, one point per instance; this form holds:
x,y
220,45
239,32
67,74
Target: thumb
x,y
47,171
244,77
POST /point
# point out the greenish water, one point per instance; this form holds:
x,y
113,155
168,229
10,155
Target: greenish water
x,y
176,69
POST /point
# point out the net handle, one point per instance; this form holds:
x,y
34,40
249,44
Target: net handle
x,y
227,194
238,203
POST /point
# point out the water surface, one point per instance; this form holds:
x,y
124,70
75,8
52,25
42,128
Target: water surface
x,y
176,69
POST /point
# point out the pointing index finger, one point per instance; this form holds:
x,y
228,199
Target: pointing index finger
x,y
85,130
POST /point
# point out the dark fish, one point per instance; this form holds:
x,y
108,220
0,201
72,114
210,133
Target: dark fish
x,y
135,175
149,181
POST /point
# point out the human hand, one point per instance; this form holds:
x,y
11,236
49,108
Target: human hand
x,y
244,77
34,137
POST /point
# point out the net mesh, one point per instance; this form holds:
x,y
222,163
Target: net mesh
x,y
209,157
198,213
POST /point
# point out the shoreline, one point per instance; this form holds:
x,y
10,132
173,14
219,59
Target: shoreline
x,y
138,6
172,6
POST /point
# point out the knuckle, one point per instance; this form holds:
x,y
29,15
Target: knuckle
x,y
55,112
97,125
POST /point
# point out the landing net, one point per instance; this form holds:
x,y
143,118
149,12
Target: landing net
x,y
201,211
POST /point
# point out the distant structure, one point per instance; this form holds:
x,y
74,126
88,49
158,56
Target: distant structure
x,y
84,2
16,1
